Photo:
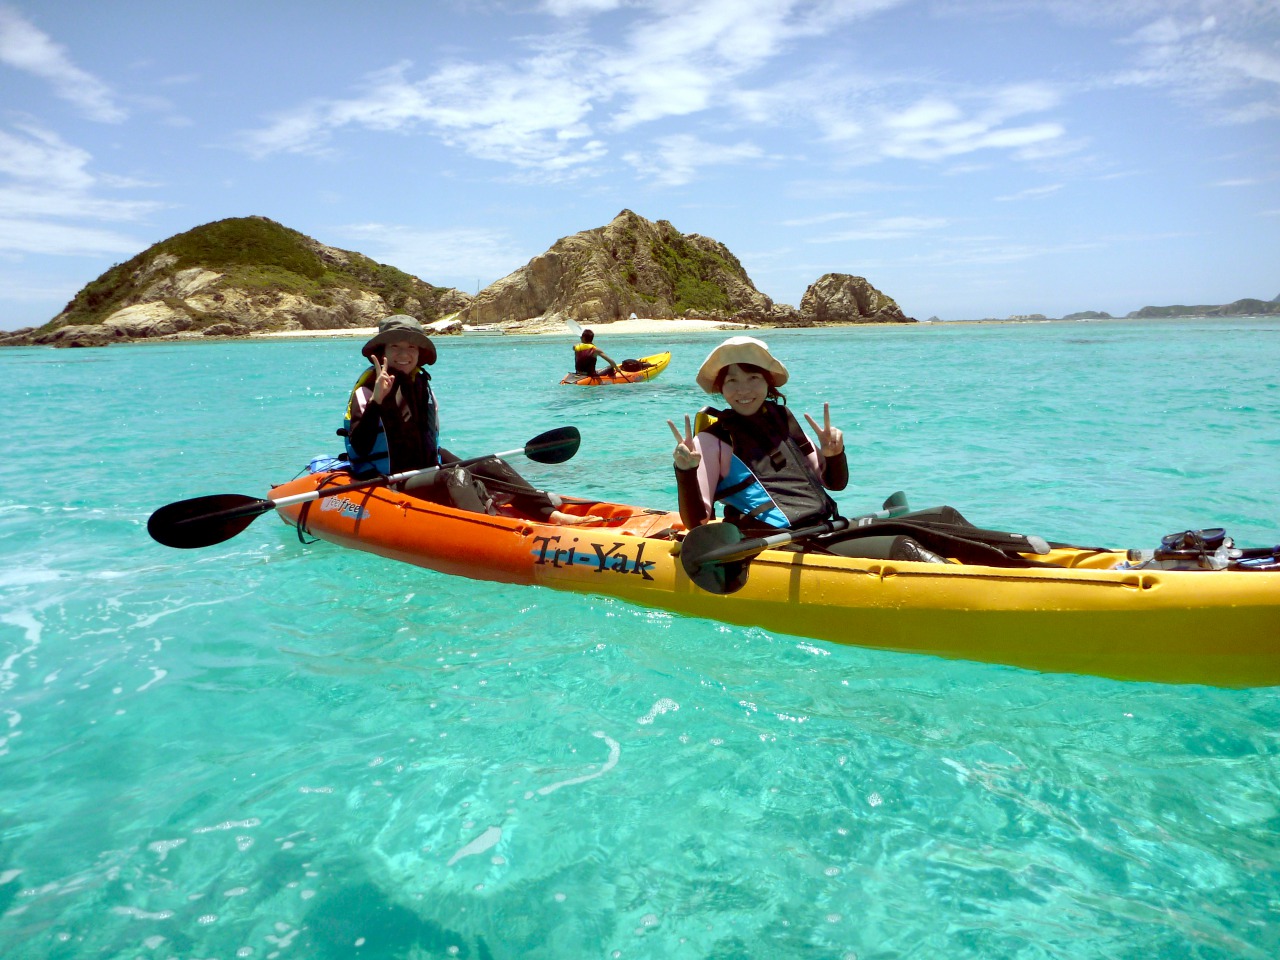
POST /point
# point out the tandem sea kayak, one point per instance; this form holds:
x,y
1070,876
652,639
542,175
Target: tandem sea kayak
x,y
1072,612
628,371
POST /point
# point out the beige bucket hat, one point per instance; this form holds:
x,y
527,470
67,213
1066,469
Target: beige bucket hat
x,y
401,326
740,350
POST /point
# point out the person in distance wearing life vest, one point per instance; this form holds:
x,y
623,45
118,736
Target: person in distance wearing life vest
x,y
585,353
392,425
755,458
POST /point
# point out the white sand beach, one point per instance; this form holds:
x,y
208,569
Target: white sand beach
x,y
639,325
665,326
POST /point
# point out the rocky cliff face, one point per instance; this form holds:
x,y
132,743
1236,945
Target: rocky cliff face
x,y
235,277
841,298
631,265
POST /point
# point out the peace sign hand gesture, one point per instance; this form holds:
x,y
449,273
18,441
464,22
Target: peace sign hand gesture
x,y
687,455
383,380
830,439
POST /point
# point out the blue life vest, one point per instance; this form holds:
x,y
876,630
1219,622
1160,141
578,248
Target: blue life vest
x,y
378,459
769,481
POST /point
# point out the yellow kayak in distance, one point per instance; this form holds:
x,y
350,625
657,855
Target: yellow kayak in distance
x,y
628,371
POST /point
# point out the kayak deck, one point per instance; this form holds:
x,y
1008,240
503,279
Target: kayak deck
x,y
1077,615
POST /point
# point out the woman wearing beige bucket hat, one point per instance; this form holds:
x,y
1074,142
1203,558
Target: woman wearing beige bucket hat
x,y
393,425
755,458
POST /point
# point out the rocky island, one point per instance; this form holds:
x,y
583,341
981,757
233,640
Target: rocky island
x,y
250,275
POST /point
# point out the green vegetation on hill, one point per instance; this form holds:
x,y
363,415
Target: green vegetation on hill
x,y
246,242
102,296
689,273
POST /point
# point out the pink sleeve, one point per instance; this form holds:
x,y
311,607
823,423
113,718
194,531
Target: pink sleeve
x,y
714,466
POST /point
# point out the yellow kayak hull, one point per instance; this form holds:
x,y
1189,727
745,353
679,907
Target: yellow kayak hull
x,y
657,363
1220,628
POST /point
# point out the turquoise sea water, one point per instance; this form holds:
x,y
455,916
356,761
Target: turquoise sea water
x,y
267,749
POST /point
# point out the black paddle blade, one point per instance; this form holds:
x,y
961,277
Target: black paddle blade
x,y
714,576
554,446
204,521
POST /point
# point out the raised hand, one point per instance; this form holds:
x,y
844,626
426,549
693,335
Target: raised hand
x,y
687,455
830,439
383,379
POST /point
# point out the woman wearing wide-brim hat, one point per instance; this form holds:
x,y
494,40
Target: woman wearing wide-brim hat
x,y
755,458
393,419
393,425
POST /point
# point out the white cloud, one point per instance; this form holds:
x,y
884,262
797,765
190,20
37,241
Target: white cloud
x,y
837,188
867,118
49,180
692,56
820,218
564,106
675,160
23,46
529,115
576,8
41,156
33,236
886,228
935,128
19,202
549,111
990,250
1033,193
1212,52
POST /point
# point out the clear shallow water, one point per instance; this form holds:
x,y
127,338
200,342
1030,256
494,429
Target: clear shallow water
x,y
268,749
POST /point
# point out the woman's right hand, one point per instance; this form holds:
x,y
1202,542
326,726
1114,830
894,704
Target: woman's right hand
x,y
687,455
383,379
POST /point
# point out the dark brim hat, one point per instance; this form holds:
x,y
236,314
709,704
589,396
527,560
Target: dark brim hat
x,y
402,327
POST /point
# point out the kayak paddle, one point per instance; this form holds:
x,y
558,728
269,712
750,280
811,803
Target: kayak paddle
x,y
204,521
716,558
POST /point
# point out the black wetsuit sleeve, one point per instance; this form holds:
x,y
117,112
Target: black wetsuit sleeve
x,y
693,511
835,472
364,431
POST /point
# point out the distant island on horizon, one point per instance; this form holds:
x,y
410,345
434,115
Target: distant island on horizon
x,y
1248,307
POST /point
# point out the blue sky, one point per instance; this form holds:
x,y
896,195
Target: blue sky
x,y
971,158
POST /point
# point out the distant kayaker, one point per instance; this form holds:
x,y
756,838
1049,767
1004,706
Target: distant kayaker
x,y
585,353
393,425
755,458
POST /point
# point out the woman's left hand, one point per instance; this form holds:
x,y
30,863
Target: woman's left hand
x,y
830,439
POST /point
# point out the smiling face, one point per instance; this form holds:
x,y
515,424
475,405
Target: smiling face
x,y
402,355
744,390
